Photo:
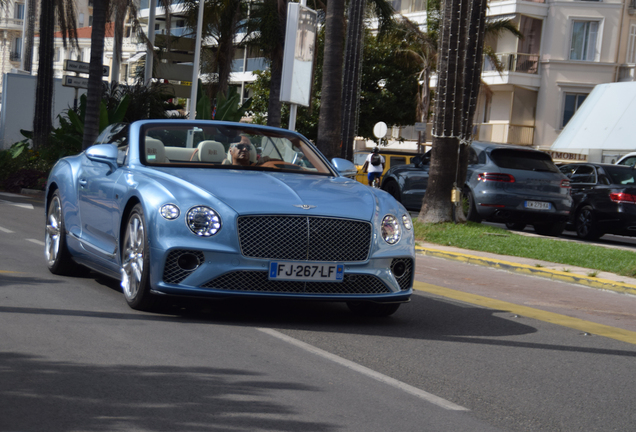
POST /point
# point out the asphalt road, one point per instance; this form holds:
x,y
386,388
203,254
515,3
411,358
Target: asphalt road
x,y
475,350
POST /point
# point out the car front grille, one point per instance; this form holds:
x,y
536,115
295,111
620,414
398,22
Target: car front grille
x,y
304,238
257,281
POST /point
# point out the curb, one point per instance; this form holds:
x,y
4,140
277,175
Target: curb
x,y
591,282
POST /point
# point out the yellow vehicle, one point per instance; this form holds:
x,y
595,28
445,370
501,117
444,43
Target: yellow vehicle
x,y
391,157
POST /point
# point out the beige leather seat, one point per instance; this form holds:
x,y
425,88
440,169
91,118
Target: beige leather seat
x,y
210,151
155,151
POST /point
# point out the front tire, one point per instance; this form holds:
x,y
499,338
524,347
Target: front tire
x,y
135,270
58,258
585,224
374,310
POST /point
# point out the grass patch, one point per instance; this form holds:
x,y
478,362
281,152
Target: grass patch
x,y
487,238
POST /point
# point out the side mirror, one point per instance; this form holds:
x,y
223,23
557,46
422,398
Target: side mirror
x,y
103,153
344,167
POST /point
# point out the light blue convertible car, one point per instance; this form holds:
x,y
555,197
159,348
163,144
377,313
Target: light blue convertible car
x,y
220,209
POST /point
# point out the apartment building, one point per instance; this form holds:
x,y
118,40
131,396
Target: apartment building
x,y
569,47
11,37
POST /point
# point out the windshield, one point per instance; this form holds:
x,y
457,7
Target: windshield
x,y
223,146
523,160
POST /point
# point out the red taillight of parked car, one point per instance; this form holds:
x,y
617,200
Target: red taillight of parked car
x,y
496,177
565,183
622,197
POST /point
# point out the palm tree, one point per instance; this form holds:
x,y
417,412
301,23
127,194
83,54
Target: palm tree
x,y
65,12
30,33
353,67
95,82
330,120
461,47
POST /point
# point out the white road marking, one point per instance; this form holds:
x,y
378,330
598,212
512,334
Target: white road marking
x,y
21,205
37,242
443,403
4,230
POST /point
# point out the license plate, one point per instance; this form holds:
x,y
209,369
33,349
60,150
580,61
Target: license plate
x,y
314,272
537,205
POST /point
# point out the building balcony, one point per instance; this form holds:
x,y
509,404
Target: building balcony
x,y
15,56
505,133
11,24
518,69
514,62
631,8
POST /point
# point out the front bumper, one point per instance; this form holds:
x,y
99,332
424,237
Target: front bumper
x,y
186,272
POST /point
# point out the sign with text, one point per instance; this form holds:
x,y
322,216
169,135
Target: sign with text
x,y
82,67
74,81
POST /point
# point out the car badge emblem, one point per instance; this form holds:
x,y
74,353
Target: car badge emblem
x,y
304,206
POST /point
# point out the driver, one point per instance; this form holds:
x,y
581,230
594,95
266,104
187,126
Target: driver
x,y
240,151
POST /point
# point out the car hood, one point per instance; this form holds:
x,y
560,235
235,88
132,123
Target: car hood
x,y
258,192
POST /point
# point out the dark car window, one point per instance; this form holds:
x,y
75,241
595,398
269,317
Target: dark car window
x,y
620,174
584,174
523,160
398,160
568,170
472,156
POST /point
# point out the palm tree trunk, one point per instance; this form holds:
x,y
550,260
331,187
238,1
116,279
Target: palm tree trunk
x,y
274,106
42,118
118,38
436,205
351,78
95,83
329,120
30,35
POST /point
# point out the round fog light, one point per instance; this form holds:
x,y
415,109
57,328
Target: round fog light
x,y
399,269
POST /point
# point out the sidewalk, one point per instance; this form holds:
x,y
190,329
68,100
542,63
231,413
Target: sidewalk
x,y
560,272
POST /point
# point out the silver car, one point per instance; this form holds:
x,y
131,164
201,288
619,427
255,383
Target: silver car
x,y
516,185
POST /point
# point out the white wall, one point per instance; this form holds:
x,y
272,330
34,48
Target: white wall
x,y
18,101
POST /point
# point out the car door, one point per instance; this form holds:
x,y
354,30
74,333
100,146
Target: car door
x,y
98,209
415,182
583,181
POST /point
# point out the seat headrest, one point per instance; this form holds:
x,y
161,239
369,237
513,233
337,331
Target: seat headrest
x,y
155,151
211,151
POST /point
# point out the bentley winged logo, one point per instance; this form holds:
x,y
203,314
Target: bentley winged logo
x,y
304,206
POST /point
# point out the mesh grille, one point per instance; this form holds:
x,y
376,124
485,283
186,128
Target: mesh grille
x,y
303,238
257,281
172,273
405,280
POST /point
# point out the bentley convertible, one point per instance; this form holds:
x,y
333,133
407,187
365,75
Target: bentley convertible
x,y
220,209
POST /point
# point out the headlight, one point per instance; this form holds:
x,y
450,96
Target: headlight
x,y
406,221
391,232
169,211
203,221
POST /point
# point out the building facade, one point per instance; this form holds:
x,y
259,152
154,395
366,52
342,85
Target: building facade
x,y
569,46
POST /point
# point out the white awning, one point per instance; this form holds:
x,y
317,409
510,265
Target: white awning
x,y
136,57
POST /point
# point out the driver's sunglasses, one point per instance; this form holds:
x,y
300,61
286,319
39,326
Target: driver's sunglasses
x,y
242,146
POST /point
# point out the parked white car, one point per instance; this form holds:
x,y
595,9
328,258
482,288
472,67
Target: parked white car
x,y
629,159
